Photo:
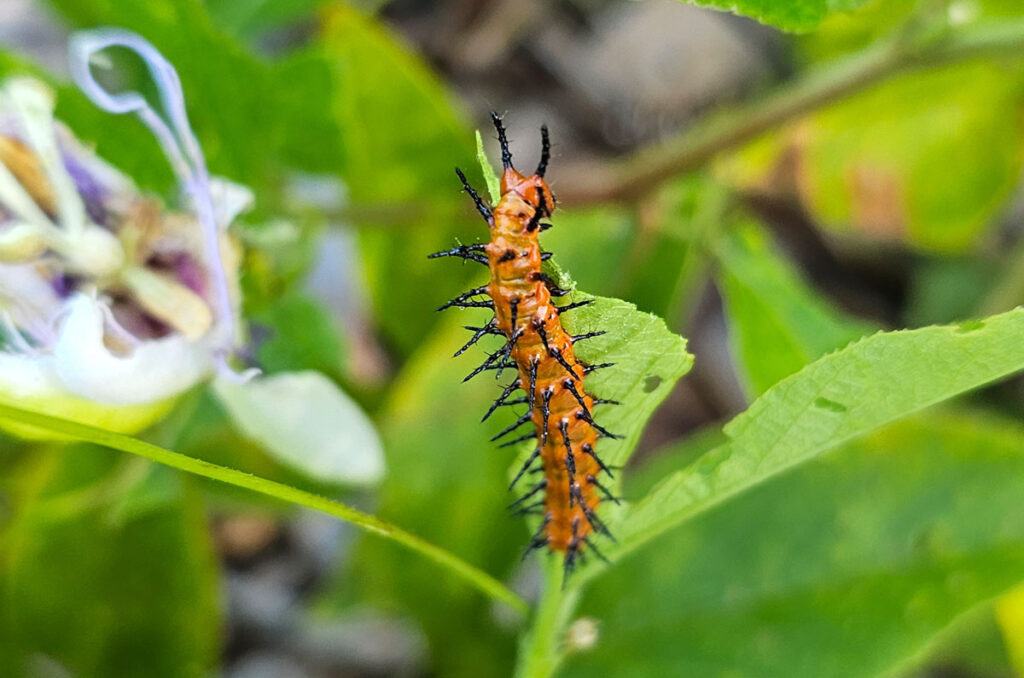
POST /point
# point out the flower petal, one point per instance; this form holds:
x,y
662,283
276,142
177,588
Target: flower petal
x,y
29,382
155,369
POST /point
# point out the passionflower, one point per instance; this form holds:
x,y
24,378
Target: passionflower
x,y
111,303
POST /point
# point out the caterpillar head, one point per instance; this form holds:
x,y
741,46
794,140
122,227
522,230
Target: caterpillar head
x,y
533,189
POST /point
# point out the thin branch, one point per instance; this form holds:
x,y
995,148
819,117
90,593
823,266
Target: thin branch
x,y
633,177
69,429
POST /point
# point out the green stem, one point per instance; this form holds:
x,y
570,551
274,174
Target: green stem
x,y
542,649
481,580
707,219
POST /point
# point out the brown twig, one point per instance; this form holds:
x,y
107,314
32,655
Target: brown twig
x,y
631,178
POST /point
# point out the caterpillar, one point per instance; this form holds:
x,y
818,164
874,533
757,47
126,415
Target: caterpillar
x,y
537,346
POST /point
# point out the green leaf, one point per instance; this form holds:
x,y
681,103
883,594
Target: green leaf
x,y
777,324
490,178
841,396
250,20
384,161
880,20
100,595
789,15
947,289
305,421
848,567
303,336
307,135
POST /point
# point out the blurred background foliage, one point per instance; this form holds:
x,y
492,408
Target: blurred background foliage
x,y
862,173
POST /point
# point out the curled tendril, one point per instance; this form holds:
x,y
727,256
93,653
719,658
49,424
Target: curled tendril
x,y
175,136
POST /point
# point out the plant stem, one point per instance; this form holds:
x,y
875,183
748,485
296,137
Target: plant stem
x,y
541,650
693,270
481,580
633,177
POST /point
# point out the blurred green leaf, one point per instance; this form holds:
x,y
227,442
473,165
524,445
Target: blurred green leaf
x,y
789,15
641,479
1010,613
305,421
658,264
777,324
99,592
399,170
278,256
303,336
592,243
973,645
250,19
383,160
847,567
876,165
667,263
879,20
947,289
841,396
306,133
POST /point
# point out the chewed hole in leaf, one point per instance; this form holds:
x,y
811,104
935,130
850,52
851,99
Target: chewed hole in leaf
x,y
970,326
651,382
830,405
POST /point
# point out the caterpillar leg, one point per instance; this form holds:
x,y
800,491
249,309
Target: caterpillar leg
x,y
526,467
482,208
468,252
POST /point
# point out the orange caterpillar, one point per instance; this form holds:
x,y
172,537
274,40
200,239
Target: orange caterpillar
x,y
539,348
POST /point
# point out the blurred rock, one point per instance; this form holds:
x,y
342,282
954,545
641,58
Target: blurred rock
x,y
242,537
263,603
266,665
646,66
363,642
321,539
28,30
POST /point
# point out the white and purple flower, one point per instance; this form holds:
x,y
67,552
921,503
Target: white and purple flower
x,y
111,304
